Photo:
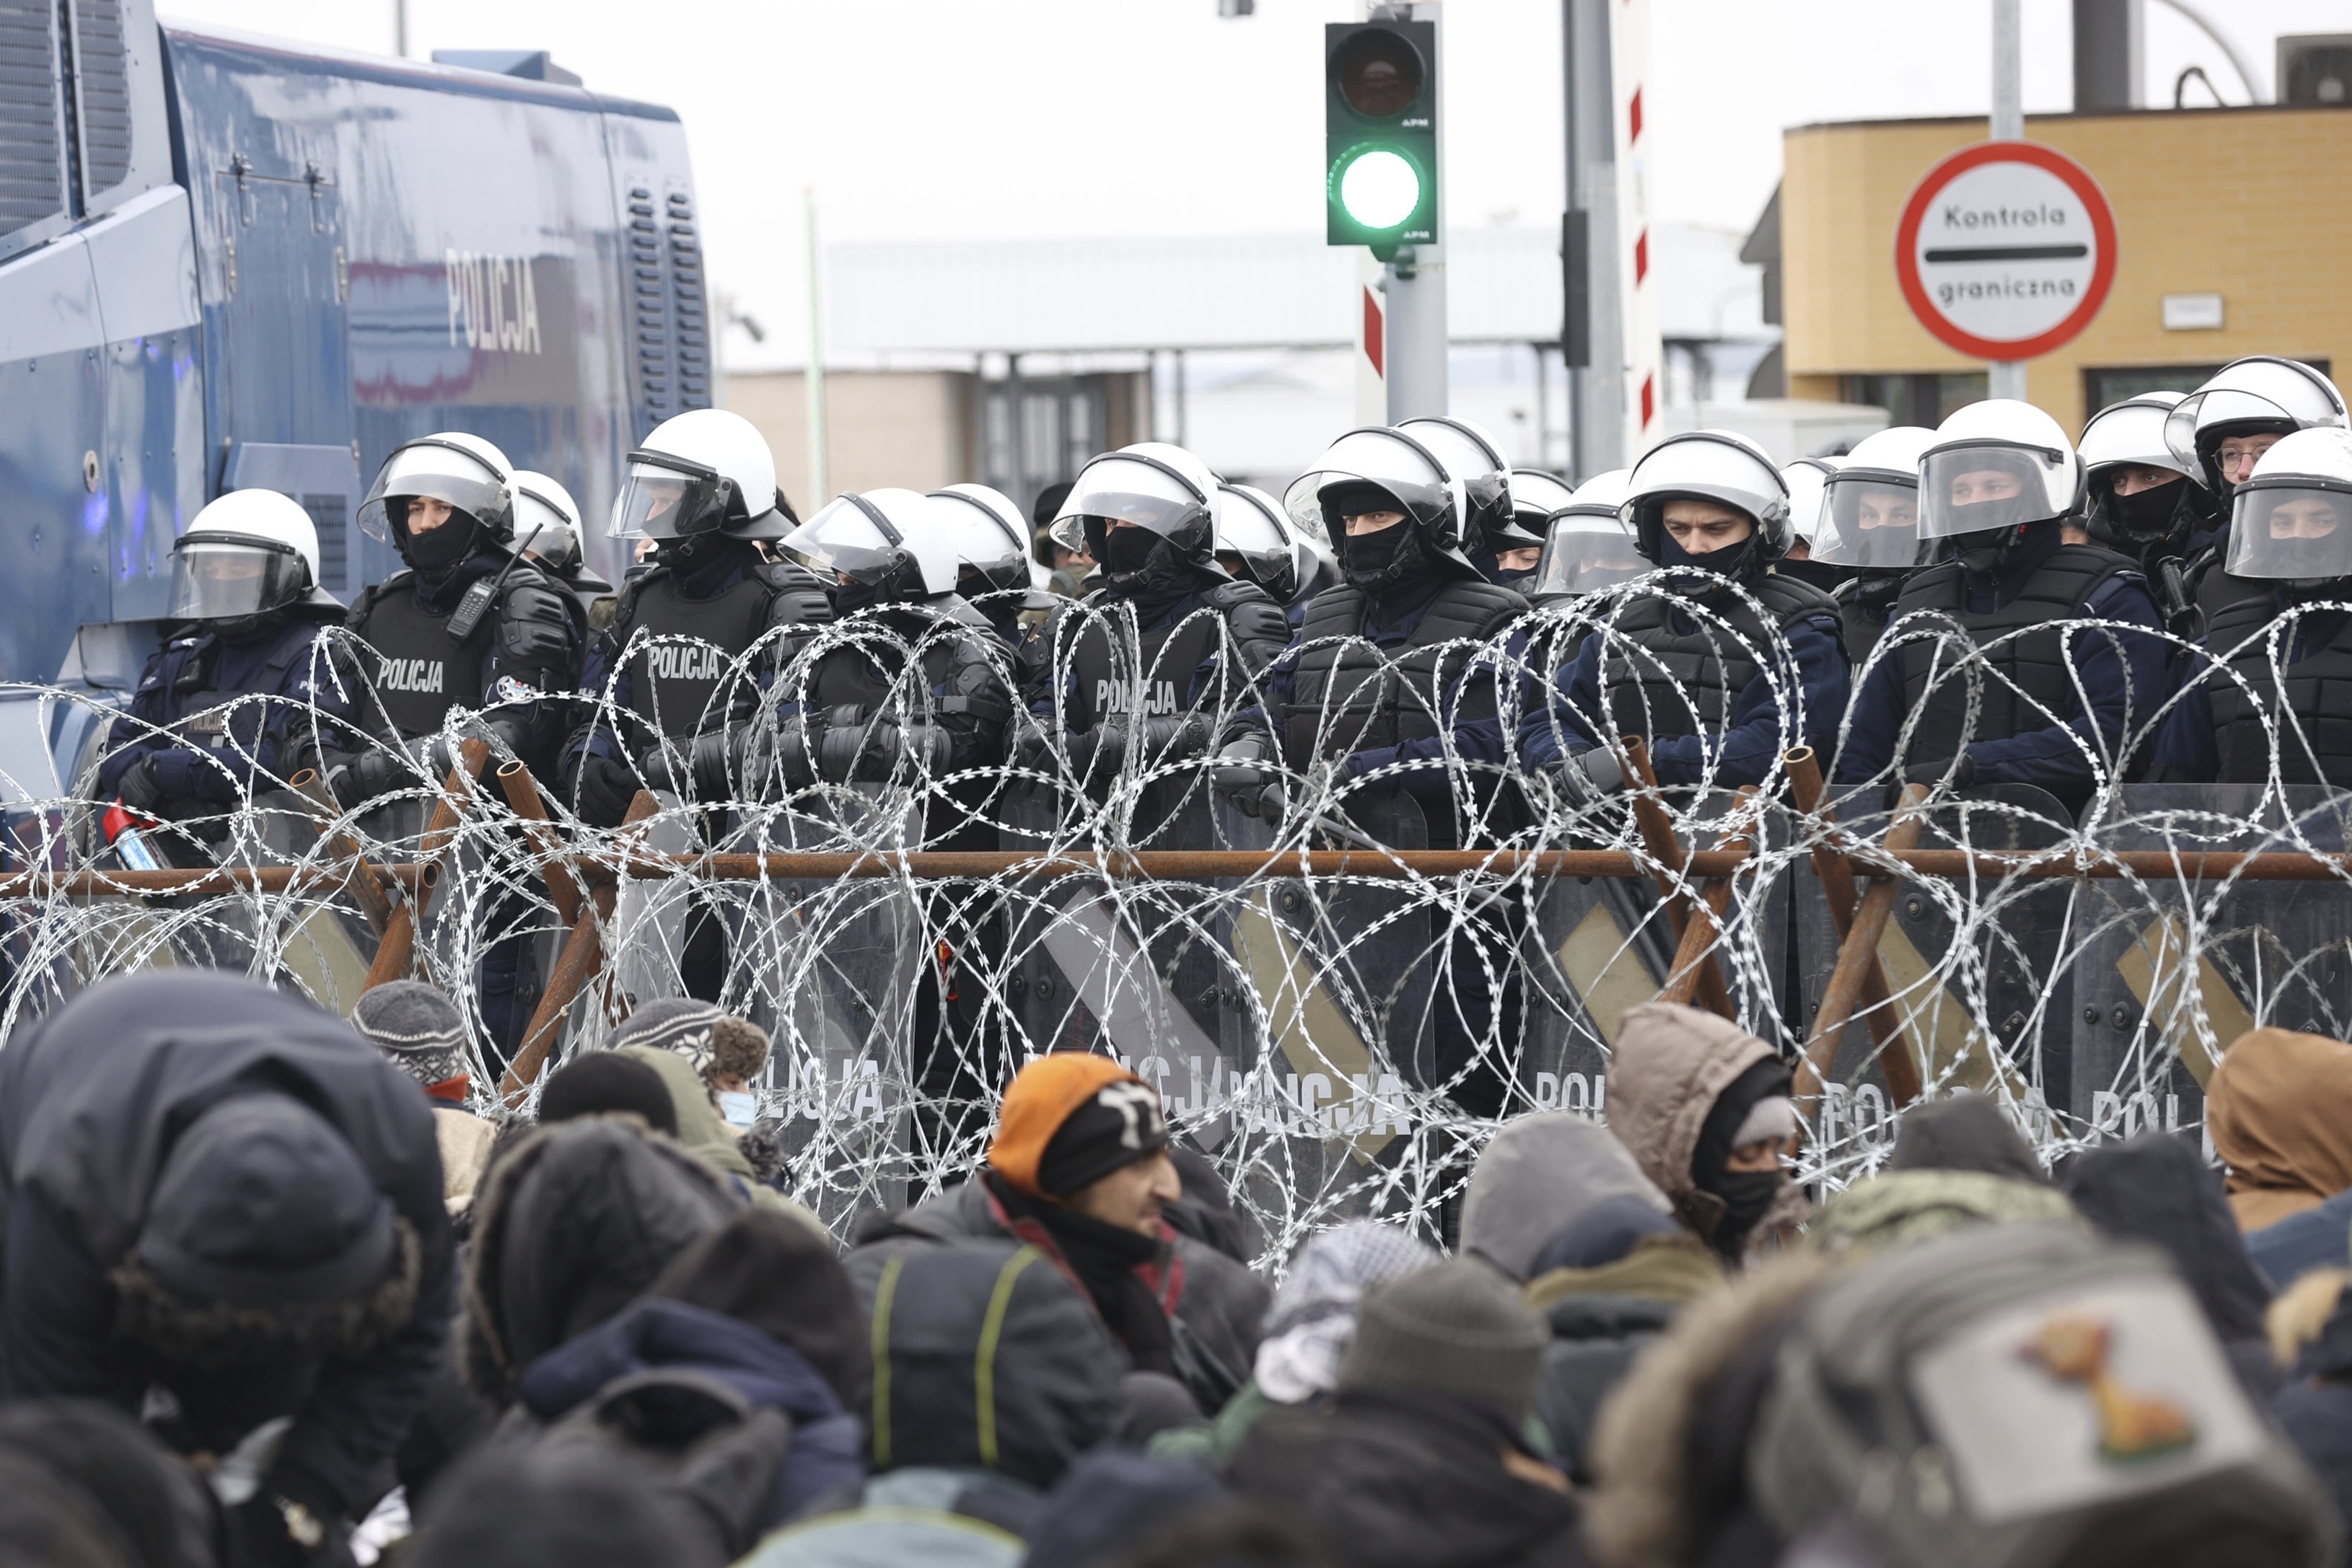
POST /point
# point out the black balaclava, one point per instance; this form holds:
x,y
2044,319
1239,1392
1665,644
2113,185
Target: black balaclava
x,y
1983,533
437,552
1731,561
1746,1195
1143,568
703,566
1376,562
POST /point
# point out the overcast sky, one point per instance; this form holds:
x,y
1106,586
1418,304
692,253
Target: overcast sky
x,y
919,119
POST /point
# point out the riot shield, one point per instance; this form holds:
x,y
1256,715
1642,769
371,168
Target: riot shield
x,y
1977,970
2170,970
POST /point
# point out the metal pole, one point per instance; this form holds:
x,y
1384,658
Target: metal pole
x,y
2006,378
820,477
1415,295
1183,416
400,29
1596,382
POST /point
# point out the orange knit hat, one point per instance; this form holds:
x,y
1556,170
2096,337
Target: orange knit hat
x,y
1038,1101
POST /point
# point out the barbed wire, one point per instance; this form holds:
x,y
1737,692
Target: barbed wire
x,y
1339,1041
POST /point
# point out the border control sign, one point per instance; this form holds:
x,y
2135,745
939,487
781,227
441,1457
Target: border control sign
x,y
2006,250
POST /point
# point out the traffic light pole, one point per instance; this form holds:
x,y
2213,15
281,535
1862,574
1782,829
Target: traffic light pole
x,y
1593,334
1415,288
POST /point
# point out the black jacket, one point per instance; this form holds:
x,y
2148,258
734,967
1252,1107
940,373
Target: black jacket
x,y
1400,1478
92,1099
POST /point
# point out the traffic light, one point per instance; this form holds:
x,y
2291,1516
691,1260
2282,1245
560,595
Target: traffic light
x,y
1380,134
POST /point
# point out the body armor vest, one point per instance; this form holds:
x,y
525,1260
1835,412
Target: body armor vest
x,y
1863,611
673,684
1659,681
2020,672
1347,695
1152,677
2314,747
421,671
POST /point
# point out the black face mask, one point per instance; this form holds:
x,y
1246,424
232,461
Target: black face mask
x,y
1127,552
435,551
2144,517
1731,560
850,597
1512,576
1371,562
1747,1196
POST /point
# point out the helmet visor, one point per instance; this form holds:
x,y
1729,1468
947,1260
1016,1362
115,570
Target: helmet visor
x,y
1127,490
218,577
436,471
843,540
2293,527
665,497
1870,519
1973,487
1586,553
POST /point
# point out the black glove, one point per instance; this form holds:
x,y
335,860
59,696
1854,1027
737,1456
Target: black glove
x,y
1099,750
696,769
1033,747
1244,773
608,786
1960,773
354,781
289,1523
1172,737
139,789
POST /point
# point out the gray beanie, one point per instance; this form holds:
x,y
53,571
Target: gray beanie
x,y
1454,1327
716,1043
417,1028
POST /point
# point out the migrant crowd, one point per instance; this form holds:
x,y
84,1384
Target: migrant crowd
x,y
270,1294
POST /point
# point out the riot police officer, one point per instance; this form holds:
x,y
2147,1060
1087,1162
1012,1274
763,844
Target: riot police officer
x,y
547,522
1258,542
2277,669
1808,481
1700,658
1586,546
469,625
669,668
2052,706
1139,670
2221,430
2144,502
1535,497
1869,525
991,544
249,612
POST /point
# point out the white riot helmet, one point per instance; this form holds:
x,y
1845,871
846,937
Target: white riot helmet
x,y
1271,550
1719,465
2292,519
1995,467
1587,546
1870,506
704,471
989,535
1535,497
547,521
1382,468
1160,489
891,543
463,472
1473,457
2130,435
1805,478
2262,395
246,554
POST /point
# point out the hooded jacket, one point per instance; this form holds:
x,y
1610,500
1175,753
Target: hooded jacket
x,y
1214,1305
1900,1208
2278,1107
1670,1066
2317,1408
1600,1318
1537,1175
2156,1188
574,1222
91,1100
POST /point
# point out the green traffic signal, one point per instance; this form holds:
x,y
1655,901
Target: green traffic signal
x,y
1379,123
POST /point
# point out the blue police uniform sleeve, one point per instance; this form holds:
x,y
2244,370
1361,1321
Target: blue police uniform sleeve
x,y
1553,729
2124,680
2185,752
1753,743
596,739
1874,721
147,707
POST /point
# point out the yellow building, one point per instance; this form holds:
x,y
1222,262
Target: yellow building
x,y
2252,204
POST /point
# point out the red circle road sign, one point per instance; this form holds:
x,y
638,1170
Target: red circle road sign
x,y
2006,250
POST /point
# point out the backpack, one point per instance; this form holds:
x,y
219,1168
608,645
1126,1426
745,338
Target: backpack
x,y
2026,1396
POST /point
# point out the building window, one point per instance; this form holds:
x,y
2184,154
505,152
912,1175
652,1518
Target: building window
x,y
2103,386
1926,400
